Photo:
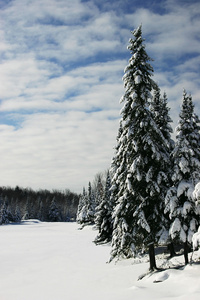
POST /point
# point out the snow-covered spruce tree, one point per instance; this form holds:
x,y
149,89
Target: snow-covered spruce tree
x,y
117,162
91,206
160,111
180,204
103,215
98,188
40,212
26,214
140,162
17,216
4,214
81,215
86,207
54,214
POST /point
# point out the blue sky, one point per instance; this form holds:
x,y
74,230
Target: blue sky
x,y
61,68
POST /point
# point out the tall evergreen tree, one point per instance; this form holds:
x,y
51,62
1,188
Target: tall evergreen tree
x,y
103,216
180,204
160,112
140,159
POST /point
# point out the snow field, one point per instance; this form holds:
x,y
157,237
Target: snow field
x,y
56,261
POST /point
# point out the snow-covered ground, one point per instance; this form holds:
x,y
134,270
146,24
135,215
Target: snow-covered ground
x,y
56,261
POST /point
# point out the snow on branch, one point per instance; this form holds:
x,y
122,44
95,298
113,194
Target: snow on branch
x,y
185,187
196,193
196,239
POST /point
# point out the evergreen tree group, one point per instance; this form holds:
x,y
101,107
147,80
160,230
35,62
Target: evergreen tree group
x,y
18,204
148,196
179,201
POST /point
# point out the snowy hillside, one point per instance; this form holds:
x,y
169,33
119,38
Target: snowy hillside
x,y
56,261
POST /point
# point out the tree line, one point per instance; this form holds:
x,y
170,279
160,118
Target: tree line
x,y
147,198
18,204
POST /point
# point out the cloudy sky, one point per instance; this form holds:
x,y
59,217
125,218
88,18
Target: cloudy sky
x,y
61,68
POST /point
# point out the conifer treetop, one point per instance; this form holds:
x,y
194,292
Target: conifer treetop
x,y
138,73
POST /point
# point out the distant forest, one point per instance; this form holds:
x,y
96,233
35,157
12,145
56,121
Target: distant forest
x,y
18,204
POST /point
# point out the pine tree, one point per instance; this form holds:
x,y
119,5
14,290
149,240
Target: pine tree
x,y
140,161
26,214
99,190
54,214
180,204
90,205
86,208
103,216
41,210
81,216
98,186
18,216
4,214
160,111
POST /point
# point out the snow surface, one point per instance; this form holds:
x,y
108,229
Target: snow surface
x,y
56,261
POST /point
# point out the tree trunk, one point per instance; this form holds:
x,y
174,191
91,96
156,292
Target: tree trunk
x,y
186,253
171,249
152,258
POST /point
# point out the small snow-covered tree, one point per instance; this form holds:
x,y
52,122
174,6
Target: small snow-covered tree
x,y
40,215
98,188
26,214
180,204
4,214
81,216
140,161
90,205
54,214
86,208
17,216
103,215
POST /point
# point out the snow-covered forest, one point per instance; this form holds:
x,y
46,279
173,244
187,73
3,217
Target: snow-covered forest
x,y
18,204
148,197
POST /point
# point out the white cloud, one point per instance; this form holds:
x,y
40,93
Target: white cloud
x,y
56,150
83,88
172,33
172,40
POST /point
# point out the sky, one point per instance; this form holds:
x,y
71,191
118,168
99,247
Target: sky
x,y
61,68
